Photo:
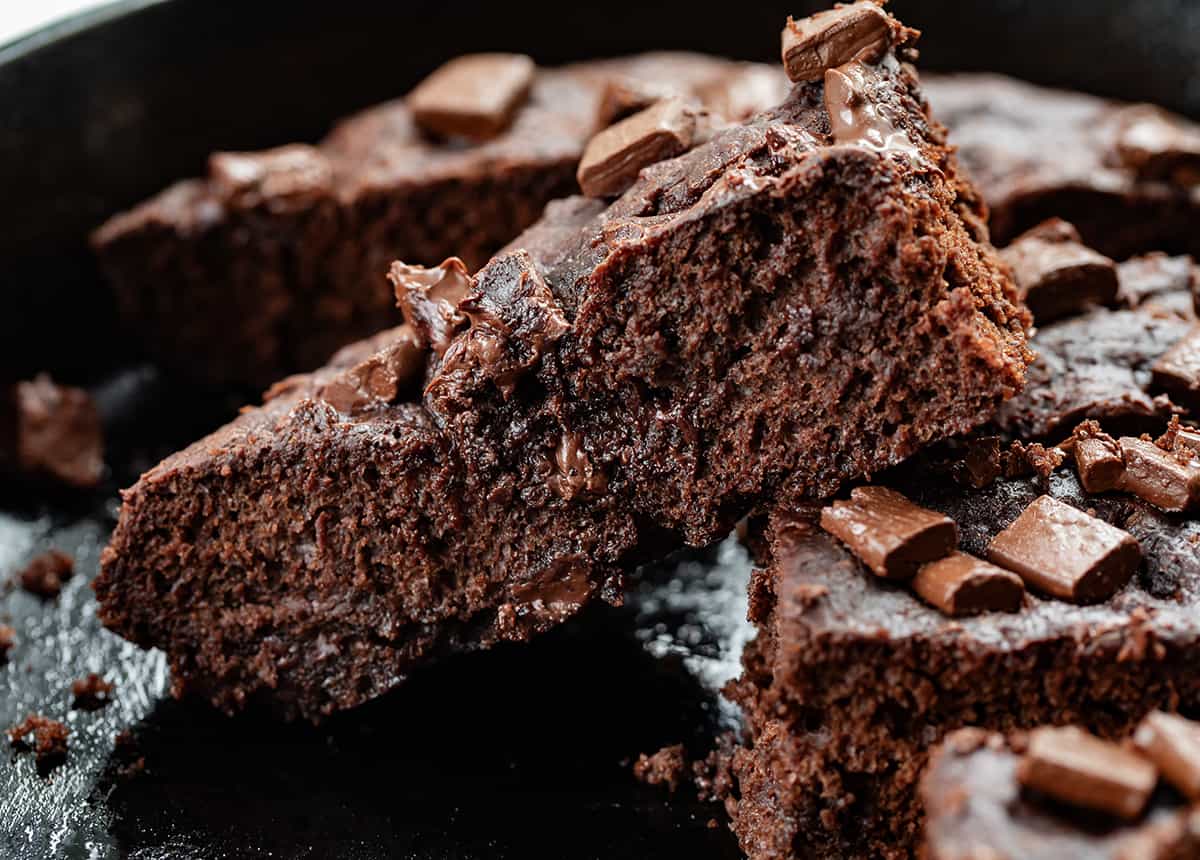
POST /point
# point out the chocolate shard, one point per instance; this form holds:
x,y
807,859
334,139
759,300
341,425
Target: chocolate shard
x,y
1173,744
625,96
1066,553
1097,457
613,158
961,584
1170,480
857,31
889,533
1057,274
1158,147
429,297
380,378
1073,766
473,96
1177,371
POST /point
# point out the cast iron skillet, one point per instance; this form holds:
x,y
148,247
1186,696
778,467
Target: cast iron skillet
x,y
521,752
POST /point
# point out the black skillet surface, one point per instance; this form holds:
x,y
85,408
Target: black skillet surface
x,y
520,752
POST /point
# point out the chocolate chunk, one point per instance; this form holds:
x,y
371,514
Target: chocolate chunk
x,y
856,120
50,431
474,96
1157,147
1187,438
45,575
889,533
49,740
1066,553
1056,274
1170,480
961,584
91,693
429,299
8,638
1070,765
291,177
379,379
858,31
1097,457
741,94
625,96
1177,371
1173,744
614,157
573,470
1169,283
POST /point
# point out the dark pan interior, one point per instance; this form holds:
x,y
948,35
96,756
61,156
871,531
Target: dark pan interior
x,y
522,752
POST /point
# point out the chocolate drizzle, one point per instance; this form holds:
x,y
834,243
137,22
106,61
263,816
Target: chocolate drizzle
x,y
429,299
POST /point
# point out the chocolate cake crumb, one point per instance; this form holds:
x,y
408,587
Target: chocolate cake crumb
x,y
668,766
49,741
91,693
7,639
127,759
46,573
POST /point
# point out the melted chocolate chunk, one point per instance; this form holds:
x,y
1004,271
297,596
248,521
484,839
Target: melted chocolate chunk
x,y
573,470
961,584
614,157
91,693
379,379
889,533
1098,458
858,121
45,574
1177,371
1075,767
474,96
1167,479
429,297
1066,553
1056,274
1173,744
858,31
1158,147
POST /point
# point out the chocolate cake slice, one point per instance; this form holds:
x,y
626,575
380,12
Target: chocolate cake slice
x,y
1127,175
274,259
797,300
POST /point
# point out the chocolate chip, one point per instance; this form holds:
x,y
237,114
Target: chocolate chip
x,y
1072,766
45,574
614,157
1173,744
474,96
1098,458
1056,274
379,379
1157,146
891,535
857,31
1177,371
429,299
961,584
1170,480
1066,553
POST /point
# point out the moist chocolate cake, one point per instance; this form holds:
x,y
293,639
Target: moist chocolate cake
x,y
1126,175
50,433
805,297
276,258
975,807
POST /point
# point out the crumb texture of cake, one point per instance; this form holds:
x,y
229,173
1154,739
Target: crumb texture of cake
x,y
274,259
777,310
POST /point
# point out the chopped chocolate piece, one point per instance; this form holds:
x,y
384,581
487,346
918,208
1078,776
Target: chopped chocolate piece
x,y
889,533
1157,146
1058,275
961,584
429,299
1164,479
1187,438
1073,766
380,378
1170,284
1177,371
1098,458
291,177
91,693
49,740
1036,153
741,94
975,809
7,640
51,432
1173,744
624,97
668,766
857,31
46,573
473,96
613,158
1064,552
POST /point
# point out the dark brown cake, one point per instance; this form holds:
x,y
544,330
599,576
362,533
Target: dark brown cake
x,y
50,433
1124,174
276,258
783,308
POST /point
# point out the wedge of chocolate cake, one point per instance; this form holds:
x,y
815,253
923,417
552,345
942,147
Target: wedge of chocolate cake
x,y
1127,175
794,301
276,258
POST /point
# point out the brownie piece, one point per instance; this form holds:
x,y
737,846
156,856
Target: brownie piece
x,y
274,259
975,807
50,433
774,312
853,678
1037,153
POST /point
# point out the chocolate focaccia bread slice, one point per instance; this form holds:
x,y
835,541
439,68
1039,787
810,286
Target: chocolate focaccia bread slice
x,y
795,302
274,259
